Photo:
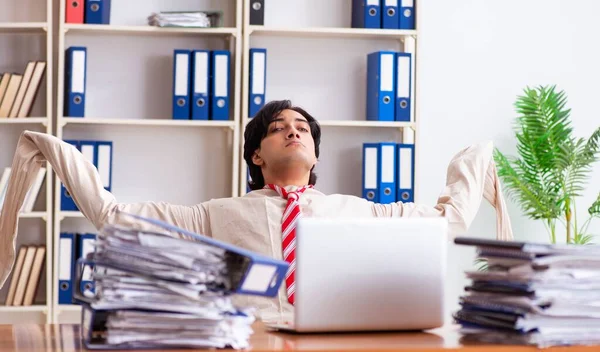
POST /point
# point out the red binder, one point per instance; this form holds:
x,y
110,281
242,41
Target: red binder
x,y
74,11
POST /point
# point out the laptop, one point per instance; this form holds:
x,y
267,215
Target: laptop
x,y
371,274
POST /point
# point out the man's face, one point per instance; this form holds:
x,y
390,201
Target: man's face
x,y
288,141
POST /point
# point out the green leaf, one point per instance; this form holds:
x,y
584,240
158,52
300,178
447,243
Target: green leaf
x,y
594,210
582,239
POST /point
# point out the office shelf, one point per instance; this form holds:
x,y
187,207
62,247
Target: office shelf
x,y
24,120
20,27
19,309
33,215
377,124
148,122
146,30
361,33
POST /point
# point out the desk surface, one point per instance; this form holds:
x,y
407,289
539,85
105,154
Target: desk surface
x,y
66,338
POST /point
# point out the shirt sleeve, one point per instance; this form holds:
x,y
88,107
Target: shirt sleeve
x,y
83,182
471,176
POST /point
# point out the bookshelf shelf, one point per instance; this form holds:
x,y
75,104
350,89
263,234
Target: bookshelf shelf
x,y
148,122
20,27
24,120
42,308
375,124
33,215
332,32
70,215
147,30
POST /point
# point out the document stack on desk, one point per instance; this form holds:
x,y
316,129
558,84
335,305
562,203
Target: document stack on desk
x,y
534,294
158,290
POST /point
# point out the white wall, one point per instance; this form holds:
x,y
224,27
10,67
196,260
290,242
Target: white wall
x,y
475,57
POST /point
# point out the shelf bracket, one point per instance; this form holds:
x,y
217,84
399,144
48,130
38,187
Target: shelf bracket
x,y
45,123
45,218
65,30
61,123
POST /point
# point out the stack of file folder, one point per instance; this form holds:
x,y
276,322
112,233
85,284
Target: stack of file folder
x,y
532,294
190,19
170,288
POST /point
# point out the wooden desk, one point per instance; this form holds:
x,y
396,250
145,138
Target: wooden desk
x,y
65,338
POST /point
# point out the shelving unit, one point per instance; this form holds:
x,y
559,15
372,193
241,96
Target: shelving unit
x,y
142,56
32,30
318,35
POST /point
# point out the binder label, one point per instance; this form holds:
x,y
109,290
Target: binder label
x,y
104,164
387,159
78,72
200,72
391,2
387,72
370,168
65,255
258,75
372,2
259,278
407,3
403,78
221,71
405,168
181,80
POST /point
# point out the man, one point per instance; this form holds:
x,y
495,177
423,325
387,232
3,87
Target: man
x,y
281,149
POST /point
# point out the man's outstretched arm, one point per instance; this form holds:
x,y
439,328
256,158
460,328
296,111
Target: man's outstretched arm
x,y
82,180
471,176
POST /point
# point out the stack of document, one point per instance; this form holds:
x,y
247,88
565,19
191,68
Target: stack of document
x,y
170,288
192,19
534,294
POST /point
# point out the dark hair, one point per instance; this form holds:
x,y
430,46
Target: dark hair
x,y
257,129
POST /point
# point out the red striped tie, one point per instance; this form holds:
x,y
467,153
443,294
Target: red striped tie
x,y
291,214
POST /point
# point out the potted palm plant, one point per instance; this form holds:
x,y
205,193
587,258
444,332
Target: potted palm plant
x,y
552,167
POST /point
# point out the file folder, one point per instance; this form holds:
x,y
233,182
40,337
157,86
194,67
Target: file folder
x,y
97,11
103,161
74,11
248,272
403,87
380,86
366,14
181,84
257,12
200,84
390,17
258,80
75,81
370,172
406,173
66,201
220,63
66,251
407,14
85,245
386,182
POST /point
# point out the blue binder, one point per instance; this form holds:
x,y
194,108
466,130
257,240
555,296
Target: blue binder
x,y
200,84
219,105
258,80
366,14
75,81
181,84
103,160
380,86
370,174
84,246
66,201
386,180
66,252
407,14
406,173
390,17
97,11
403,87
255,274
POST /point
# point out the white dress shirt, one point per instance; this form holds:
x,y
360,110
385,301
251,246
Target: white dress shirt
x,y
252,221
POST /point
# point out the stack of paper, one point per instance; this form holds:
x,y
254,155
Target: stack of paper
x,y
192,19
535,294
159,290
